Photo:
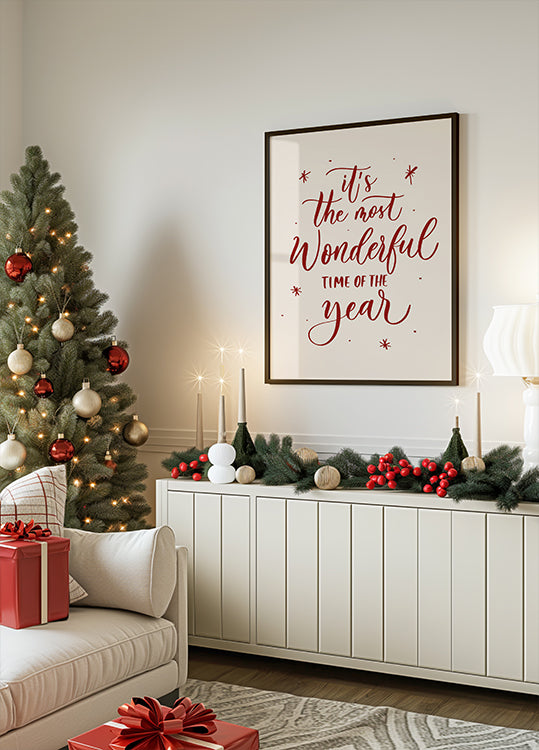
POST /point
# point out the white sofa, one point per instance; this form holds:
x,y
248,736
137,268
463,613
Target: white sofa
x,y
63,678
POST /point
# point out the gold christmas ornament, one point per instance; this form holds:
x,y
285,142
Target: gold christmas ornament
x,y
12,453
307,455
472,463
245,474
63,329
20,360
86,402
135,432
327,478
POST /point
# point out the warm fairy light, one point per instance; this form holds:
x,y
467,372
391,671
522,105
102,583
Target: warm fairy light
x,y
52,233
14,377
122,527
92,485
32,230
43,414
41,299
66,313
40,435
61,241
75,460
47,210
28,319
11,305
22,411
77,482
114,502
86,439
113,399
35,329
19,468
87,520
125,499
116,428
21,393
8,236
54,270
68,235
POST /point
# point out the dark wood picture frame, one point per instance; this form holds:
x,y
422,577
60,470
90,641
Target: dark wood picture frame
x,y
415,163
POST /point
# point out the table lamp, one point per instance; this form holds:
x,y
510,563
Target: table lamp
x,y
511,344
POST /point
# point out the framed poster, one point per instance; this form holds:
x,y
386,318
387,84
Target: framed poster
x,y
361,252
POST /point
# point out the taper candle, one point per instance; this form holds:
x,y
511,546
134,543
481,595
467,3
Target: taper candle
x,y
479,454
199,439
242,414
221,429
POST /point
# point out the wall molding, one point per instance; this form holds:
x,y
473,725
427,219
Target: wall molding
x,y
166,440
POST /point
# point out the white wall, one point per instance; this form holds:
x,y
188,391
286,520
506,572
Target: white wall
x,y
154,114
11,88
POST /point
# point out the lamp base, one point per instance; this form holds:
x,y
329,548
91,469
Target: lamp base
x,y
531,423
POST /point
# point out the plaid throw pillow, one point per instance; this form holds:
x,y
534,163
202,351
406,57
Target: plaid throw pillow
x,y
41,496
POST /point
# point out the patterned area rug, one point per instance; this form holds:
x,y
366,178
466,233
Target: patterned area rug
x,y
288,721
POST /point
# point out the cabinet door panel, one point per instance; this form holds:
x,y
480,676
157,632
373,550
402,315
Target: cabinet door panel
x,y
434,589
469,592
334,579
207,565
531,593
235,579
302,574
181,519
504,596
367,582
270,571
401,585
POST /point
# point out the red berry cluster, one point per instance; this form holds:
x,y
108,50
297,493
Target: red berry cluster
x,y
387,472
439,482
189,469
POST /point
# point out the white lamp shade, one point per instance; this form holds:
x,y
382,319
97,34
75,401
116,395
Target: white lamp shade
x,y
511,341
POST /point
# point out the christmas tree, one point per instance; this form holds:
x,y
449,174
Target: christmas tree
x,y
60,397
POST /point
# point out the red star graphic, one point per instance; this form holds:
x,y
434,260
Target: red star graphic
x,y
304,176
410,172
296,290
384,344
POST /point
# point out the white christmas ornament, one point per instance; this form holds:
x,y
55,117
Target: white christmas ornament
x,y
221,456
63,329
86,402
20,360
12,453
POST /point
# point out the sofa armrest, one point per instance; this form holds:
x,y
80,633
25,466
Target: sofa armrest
x,y
177,613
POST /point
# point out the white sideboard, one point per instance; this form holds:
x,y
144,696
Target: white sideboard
x,y
385,581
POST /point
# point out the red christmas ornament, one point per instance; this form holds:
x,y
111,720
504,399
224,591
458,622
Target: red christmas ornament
x,y
117,358
428,488
404,463
416,471
434,479
444,484
425,463
43,388
390,475
183,466
197,477
381,480
175,473
109,463
18,265
193,464
371,484
405,471
431,466
61,450
371,468
441,492
452,473
392,485
203,457
448,466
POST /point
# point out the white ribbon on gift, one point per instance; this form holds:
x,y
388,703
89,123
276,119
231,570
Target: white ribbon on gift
x,y
184,737
44,575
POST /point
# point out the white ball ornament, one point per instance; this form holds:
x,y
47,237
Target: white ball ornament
x,y
245,474
86,402
222,454
20,360
63,329
472,463
221,474
12,453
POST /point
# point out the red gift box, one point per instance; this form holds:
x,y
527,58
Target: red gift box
x,y
34,580
226,737
144,724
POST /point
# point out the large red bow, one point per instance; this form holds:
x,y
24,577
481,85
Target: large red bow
x,y
21,530
151,726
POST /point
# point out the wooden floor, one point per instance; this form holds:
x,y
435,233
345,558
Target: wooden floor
x,y
410,694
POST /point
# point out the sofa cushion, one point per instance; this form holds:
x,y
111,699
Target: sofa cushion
x,y
7,711
133,570
53,665
41,496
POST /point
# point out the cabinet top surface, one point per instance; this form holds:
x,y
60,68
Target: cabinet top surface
x,y
396,498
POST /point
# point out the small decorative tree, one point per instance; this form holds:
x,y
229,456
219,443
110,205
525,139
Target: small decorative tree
x,y
60,398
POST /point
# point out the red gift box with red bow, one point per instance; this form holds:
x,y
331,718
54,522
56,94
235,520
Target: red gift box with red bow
x,y
144,724
34,575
